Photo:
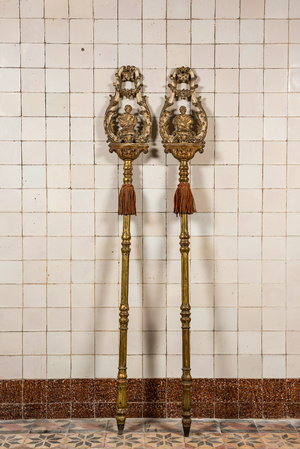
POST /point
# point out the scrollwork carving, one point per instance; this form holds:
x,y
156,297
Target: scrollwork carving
x,y
127,121
183,122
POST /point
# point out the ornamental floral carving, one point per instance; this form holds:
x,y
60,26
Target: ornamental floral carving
x,y
183,123
122,128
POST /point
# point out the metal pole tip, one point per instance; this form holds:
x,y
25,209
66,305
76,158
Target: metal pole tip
x,y
186,431
120,429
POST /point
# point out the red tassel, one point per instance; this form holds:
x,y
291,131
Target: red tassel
x,y
183,200
127,200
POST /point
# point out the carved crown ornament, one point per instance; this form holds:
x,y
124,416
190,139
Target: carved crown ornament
x,y
121,129
189,130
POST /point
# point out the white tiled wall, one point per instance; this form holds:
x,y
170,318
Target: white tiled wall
x,y
60,232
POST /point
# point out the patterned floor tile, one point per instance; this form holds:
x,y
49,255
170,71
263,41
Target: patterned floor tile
x,y
131,426
243,440
164,440
44,440
127,440
15,426
281,439
85,440
10,441
238,426
50,426
164,426
204,441
275,426
87,425
205,426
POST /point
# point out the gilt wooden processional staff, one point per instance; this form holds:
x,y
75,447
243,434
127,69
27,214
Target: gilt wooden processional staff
x,y
183,143
128,143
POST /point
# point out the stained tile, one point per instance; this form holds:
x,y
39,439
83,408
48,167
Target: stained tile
x,y
164,440
134,409
274,390
174,409
293,409
226,390
9,441
250,410
174,390
35,411
85,440
86,410
154,410
15,426
274,410
105,410
105,390
132,440
293,390
43,440
275,426
243,440
59,390
134,390
88,425
281,439
59,411
205,440
154,390
10,411
203,409
226,410
238,426
34,391
50,426
10,391
203,390
250,390
82,390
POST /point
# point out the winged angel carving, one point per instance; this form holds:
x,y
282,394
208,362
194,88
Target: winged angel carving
x,y
121,128
183,123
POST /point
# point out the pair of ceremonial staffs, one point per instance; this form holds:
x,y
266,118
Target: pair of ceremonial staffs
x,y
183,143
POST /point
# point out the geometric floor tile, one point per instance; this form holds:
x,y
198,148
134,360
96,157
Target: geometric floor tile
x,y
275,426
204,441
164,426
243,440
164,440
15,426
85,440
44,440
50,426
129,440
205,426
131,426
238,426
281,439
11,441
95,425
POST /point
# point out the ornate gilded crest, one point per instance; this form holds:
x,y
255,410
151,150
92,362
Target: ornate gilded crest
x,y
121,128
183,122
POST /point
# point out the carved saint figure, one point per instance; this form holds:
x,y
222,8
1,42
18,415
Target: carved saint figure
x,y
183,122
127,120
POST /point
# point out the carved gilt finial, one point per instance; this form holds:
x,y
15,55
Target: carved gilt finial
x,y
120,128
183,122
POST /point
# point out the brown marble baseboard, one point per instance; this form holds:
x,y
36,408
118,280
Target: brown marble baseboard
x,y
149,398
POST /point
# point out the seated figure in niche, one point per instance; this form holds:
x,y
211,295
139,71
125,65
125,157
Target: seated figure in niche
x,y
183,124
127,121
